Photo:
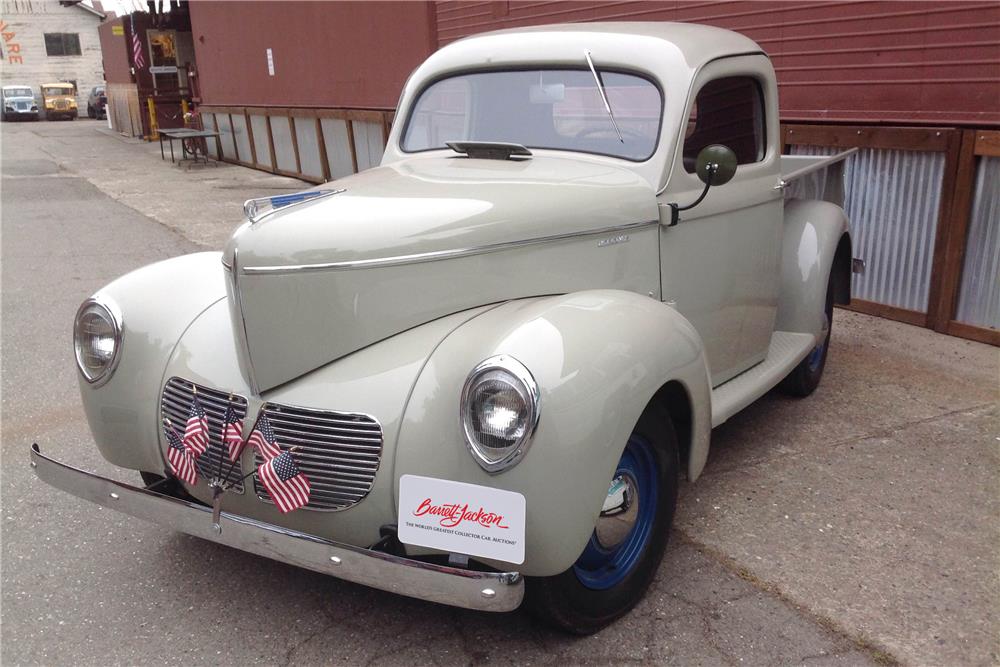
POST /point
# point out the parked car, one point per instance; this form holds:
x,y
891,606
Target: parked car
x,y
59,100
481,367
97,102
19,103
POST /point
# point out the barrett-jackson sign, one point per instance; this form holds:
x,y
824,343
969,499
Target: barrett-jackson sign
x,y
461,518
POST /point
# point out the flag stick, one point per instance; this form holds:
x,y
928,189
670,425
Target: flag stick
x,y
240,481
196,465
223,449
233,464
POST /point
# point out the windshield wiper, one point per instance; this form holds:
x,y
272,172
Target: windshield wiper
x,y
600,89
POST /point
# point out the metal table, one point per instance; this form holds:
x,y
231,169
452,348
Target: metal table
x,y
193,148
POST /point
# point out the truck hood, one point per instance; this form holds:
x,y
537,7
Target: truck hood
x,y
419,239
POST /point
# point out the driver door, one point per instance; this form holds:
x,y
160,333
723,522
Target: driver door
x,y
720,264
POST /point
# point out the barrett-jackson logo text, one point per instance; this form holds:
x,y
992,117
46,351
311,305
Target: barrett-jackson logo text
x,y
454,514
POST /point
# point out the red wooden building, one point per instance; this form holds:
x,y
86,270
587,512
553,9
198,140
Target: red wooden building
x,y
309,89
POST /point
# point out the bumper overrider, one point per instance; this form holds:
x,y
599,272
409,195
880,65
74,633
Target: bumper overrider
x,y
486,591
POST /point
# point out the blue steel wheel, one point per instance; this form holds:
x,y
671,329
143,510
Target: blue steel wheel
x,y
626,521
626,547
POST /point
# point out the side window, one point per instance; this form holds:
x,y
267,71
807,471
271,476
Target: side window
x,y
62,44
730,111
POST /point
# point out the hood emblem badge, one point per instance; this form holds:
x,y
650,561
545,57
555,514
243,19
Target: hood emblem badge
x,y
257,209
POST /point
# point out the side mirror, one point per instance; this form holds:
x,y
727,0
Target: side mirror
x,y
718,159
715,165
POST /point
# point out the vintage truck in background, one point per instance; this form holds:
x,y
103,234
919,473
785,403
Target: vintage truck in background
x,y
493,355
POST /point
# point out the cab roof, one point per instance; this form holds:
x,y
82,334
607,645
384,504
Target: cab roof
x,y
699,43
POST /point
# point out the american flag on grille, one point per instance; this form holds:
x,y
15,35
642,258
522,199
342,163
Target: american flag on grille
x,y
288,488
181,462
196,429
263,438
232,433
137,58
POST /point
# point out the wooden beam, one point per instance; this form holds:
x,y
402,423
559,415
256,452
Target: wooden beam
x,y
933,139
952,233
913,317
938,314
987,143
980,334
323,157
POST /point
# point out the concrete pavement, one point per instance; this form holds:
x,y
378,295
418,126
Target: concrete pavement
x,y
857,526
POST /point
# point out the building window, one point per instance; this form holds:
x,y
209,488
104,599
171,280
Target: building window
x,y
727,111
62,44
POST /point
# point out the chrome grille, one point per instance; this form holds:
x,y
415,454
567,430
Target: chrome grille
x,y
339,453
175,404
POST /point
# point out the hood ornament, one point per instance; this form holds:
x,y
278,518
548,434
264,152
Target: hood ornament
x,y
257,209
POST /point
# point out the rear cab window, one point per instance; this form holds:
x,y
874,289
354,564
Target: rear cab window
x,y
727,111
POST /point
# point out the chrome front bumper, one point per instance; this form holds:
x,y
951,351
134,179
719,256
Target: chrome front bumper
x,y
486,591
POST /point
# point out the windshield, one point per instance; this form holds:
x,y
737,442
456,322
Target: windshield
x,y
57,90
17,92
556,109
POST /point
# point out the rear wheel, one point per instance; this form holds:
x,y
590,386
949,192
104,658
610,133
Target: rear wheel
x,y
805,378
627,545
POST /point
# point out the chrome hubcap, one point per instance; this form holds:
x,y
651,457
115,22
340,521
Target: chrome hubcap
x,y
619,513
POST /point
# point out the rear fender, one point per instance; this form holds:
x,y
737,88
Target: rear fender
x,y
598,357
814,230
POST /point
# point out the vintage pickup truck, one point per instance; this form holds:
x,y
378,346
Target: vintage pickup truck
x,y
492,356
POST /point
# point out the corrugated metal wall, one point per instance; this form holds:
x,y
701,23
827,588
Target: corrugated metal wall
x,y
979,295
892,198
888,61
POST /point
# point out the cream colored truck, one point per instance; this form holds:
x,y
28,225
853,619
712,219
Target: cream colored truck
x,y
493,355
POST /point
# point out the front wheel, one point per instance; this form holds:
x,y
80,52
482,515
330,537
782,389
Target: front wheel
x,y
627,545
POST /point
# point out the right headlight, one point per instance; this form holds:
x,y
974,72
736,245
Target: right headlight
x,y
499,412
97,339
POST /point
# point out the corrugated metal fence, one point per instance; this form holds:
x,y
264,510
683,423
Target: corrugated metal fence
x,y
924,205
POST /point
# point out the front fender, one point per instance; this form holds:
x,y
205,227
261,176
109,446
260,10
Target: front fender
x,y
813,231
157,302
598,358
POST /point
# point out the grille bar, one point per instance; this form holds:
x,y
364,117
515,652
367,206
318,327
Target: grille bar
x,y
339,453
175,404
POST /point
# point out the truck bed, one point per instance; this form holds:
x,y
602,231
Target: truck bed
x,y
815,176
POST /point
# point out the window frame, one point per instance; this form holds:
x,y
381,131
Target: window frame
x,y
534,68
759,86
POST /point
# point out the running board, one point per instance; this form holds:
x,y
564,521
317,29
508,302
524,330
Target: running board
x,y
786,350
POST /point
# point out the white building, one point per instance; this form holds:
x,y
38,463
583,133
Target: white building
x,y
47,41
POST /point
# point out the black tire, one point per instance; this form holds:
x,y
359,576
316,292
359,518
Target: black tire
x,y
564,602
170,487
90,112
804,379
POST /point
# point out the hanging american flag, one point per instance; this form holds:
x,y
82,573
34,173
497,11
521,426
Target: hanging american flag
x,y
263,439
181,462
232,433
288,488
196,429
137,58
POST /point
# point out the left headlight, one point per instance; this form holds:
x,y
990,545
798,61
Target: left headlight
x,y
499,412
97,339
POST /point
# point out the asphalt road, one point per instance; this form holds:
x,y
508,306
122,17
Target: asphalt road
x,y
857,526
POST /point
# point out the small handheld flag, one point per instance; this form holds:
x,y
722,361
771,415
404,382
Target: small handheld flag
x,y
263,439
232,434
196,429
181,462
288,488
